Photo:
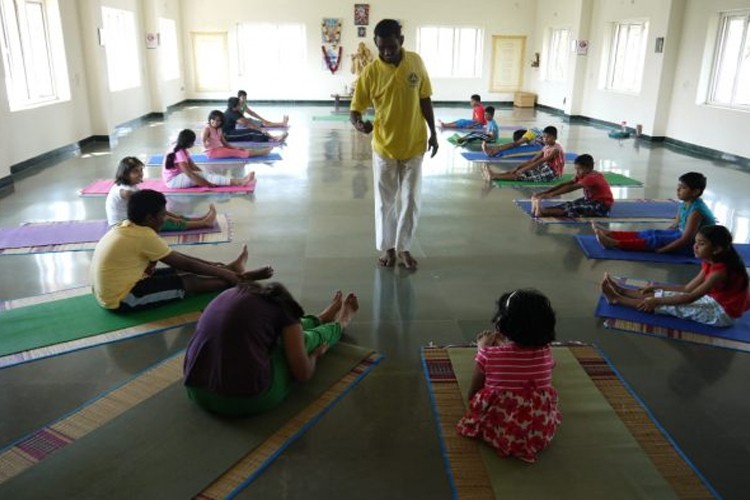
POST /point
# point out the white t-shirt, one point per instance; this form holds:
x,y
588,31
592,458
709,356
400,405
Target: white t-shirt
x,y
116,205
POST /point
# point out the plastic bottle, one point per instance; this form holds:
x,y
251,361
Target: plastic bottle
x,y
624,126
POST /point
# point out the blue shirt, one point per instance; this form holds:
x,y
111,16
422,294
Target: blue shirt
x,y
492,129
697,205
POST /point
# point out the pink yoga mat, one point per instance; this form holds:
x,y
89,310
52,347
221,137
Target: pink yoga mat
x,y
68,232
102,186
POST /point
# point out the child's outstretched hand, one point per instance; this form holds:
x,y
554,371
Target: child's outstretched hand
x,y
648,304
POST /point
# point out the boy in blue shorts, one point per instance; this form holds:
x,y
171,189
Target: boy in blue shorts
x,y
490,132
477,116
597,196
124,277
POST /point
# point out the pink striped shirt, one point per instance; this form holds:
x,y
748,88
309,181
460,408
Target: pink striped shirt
x,y
510,366
558,162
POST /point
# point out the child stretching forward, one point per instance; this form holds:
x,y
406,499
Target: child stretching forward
x,y
129,175
597,196
716,296
179,171
520,137
546,166
477,116
691,216
216,146
490,132
512,404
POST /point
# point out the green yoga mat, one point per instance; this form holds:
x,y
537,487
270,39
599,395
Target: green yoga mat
x,y
593,454
74,318
477,145
167,447
338,118
613,179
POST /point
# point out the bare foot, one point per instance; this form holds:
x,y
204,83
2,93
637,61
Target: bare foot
x,y
486,174
238,264
348,310
609,293
598,229
282,137
260,273
329,313
210,218
604,240
248,178
407,260
260,151
388,259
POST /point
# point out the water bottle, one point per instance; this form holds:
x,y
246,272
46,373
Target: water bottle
x,y
624,126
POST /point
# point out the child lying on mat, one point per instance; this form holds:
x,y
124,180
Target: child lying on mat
x,y
597,196
512,404
490,132
478,119
545,166
180,171
253,341
216,146
124,277
532,136
129,175
716,296
692,215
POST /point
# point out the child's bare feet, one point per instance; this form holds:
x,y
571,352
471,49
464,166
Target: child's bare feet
x,y
348,310
210,218
486,173
609,293
604,240
488,150
329,313
388,258
248,178
407,260
260,273
238,264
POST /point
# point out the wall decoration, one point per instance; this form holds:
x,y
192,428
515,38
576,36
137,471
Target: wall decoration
x,y
508,53
332,57
659,47
152,40
582,47
361,14
331,30
361,31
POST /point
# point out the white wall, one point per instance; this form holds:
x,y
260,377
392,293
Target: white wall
x,y
505,17
690,119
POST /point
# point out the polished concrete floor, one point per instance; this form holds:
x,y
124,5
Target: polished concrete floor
x,y
311,219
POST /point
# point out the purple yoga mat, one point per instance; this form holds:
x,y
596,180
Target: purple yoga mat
x,y
65,232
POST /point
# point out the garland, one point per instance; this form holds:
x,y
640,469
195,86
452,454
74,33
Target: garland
x,y
331,65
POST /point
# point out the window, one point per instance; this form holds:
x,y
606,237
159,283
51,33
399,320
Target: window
x,y
271,55
627,55
730,82
557,55
33,53
121,48
169,61
451,52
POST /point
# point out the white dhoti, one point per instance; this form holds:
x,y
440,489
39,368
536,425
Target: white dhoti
x,y
398,189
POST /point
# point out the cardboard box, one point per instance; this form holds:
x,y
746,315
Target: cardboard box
x,y
524,100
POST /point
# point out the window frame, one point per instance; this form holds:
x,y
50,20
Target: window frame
x,y
716,63
126,44
555,50
455,61
612,78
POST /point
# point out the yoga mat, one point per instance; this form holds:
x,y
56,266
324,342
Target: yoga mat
x,y
619,317
101,188
146,439
479,128
255,145
606,445
480,157
593,250
612,178
621,211
157,160
72,323
45,237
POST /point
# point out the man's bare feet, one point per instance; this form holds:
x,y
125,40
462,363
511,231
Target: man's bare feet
x,y
388,259
328,314
238,264
407,260
260,273
348,310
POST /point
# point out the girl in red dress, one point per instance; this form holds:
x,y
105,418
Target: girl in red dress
x,y
512,404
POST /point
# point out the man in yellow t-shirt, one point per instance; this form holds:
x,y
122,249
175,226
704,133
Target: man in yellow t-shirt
x,y
398,87
123,269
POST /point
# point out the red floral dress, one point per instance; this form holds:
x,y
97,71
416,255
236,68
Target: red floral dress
x,y
519,421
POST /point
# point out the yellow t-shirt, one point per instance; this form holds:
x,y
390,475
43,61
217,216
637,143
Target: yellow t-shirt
x,y
120,260
400,130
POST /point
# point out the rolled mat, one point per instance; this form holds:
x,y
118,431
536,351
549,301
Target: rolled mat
x,y
593,250
154,160
607,444
619,317
621,211
101,188
145,439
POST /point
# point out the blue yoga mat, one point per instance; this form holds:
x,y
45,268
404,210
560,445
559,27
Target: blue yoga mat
x,y
479,156
593,250
622,209
739,332
205,160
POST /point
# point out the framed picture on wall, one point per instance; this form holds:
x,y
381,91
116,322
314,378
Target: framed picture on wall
x,y
361,14
361,31
508,54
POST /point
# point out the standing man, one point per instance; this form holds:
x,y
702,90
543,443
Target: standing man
x,y
398,87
